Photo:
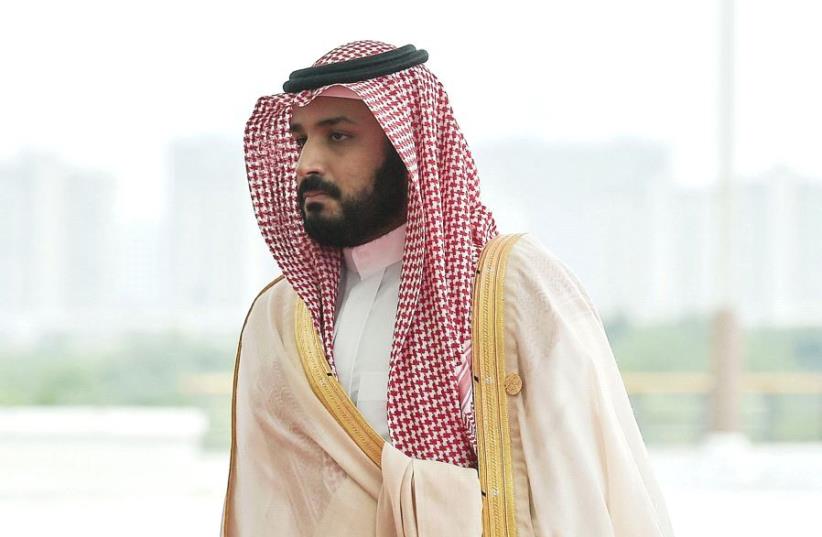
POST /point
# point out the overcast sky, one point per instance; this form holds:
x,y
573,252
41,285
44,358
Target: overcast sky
x,y
107,85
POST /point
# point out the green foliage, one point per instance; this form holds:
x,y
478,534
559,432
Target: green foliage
x,y
137,370
794,417
681,346
149,369
772,349
685,347
674,419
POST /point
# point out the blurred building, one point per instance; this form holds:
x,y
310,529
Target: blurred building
x,y
808,282
142,284
214,263
692,253
602,208
645,248
55,235
778,248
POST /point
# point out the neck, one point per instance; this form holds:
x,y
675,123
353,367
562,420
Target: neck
x,y
369,258
383,230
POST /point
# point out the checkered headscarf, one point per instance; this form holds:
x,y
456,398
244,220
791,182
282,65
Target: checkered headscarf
x,y
430,412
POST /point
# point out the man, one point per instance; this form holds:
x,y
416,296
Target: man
x,y
413,373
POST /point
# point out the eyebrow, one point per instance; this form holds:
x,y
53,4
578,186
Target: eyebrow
x,y
328,122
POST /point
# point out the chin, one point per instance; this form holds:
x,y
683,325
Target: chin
x,y
321,220
321,208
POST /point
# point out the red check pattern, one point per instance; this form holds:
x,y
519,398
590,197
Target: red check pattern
x,y
447,228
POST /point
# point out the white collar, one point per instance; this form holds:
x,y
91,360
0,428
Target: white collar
x,y
369,258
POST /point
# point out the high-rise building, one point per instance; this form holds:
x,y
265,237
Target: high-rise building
x,y
691,253
212,236
55,235
642,247
599,207
808,277
777,248
647,249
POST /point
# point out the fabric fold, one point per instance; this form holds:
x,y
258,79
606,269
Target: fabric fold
x,y
427,498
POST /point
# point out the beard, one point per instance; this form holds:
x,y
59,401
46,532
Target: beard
x,y
363,217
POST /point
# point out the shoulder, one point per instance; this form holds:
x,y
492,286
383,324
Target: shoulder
x,y
549,318
536,273
271,304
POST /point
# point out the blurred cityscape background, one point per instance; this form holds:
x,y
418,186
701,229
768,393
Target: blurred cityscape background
x,y
123,288
96,312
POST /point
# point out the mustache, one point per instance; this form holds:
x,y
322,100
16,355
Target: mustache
x,y
318,184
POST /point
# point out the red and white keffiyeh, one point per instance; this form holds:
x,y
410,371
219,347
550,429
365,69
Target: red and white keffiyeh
x,y
430,412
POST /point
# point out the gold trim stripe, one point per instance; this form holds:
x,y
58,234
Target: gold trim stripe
x,y
490,397
329,390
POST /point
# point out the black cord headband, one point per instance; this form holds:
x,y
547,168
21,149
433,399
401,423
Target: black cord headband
x,y
355,70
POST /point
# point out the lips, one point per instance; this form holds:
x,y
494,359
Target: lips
x,y
313,194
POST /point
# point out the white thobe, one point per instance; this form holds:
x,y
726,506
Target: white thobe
x,y
364,327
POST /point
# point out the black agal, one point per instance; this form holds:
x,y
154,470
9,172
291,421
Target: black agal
x,y
355,70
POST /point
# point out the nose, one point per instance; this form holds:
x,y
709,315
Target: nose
x,y
310,162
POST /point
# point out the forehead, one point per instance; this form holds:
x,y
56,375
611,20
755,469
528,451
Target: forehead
x,y
325,108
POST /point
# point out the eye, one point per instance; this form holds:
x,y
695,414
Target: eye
x,y
338,136
300,140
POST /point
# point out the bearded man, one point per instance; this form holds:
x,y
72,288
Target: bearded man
x,y
413,372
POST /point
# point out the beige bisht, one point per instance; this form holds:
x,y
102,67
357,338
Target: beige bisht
x,y
559,449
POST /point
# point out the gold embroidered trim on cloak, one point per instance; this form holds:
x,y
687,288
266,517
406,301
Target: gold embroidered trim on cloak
x,y
490,396
233,453
329,390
